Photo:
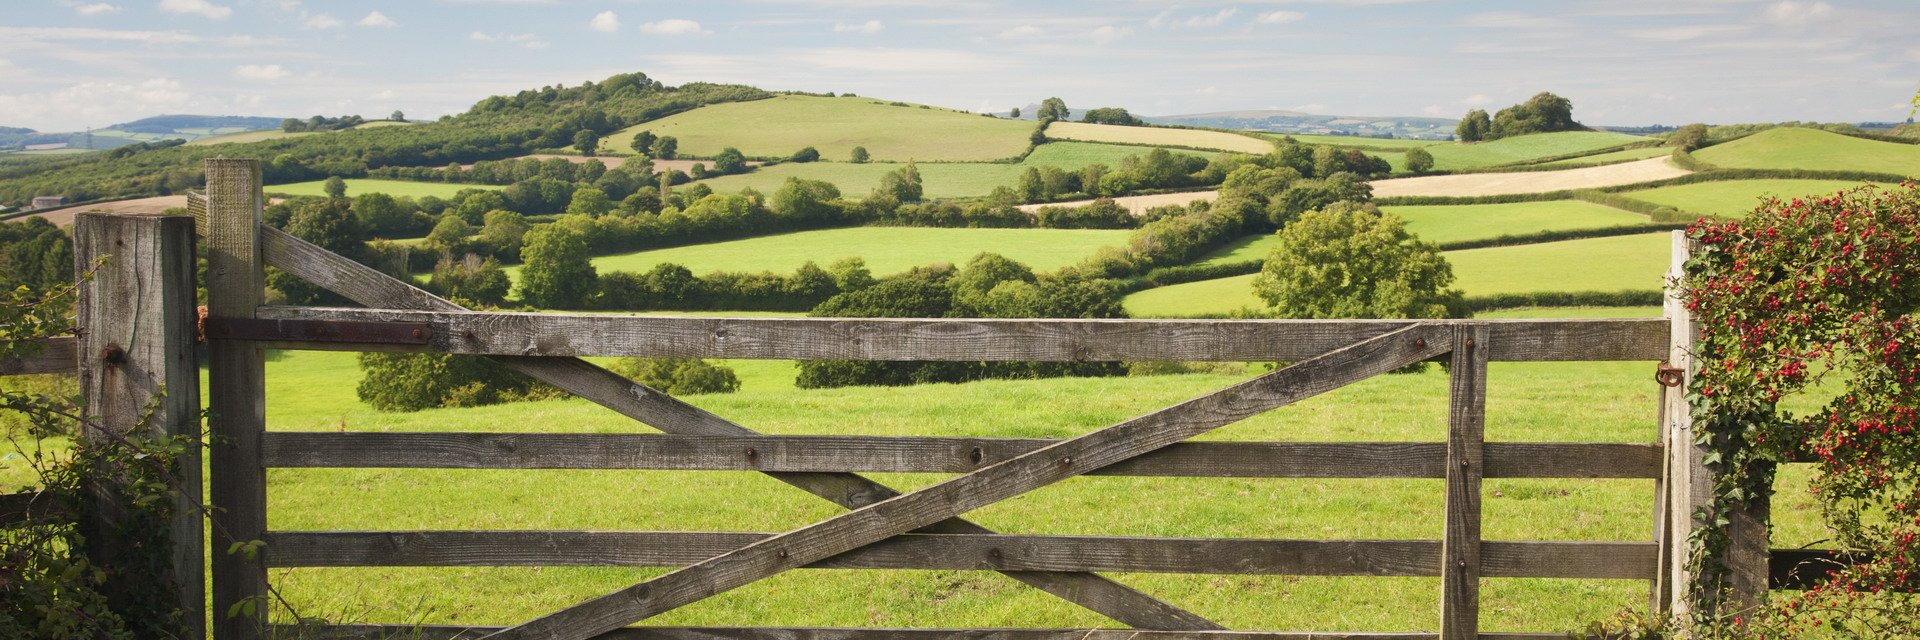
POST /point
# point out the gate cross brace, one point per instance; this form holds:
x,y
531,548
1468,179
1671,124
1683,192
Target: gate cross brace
x,y
368,286
988,485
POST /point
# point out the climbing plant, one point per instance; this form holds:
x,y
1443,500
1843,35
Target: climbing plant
x,y
1809,350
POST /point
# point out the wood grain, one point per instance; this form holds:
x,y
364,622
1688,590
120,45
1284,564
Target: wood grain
x,y
441,632
573,334
237,394
918,454
55,355
1466,437
1013,477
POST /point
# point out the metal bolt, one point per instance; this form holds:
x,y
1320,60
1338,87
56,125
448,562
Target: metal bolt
x,y
782,553
419,333
1464,463
1067,461
1420,343
1463,564
113,354
751,453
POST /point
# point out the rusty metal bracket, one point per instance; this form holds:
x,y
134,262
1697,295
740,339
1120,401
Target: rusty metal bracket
x,y
268,330
1669,375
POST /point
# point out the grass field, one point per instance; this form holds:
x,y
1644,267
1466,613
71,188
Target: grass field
x,y
1389,144
781,125
942,180
1455,156
1610,157
1796,148
1195,138
1735,198
1456,223
357,186
887,250
247,136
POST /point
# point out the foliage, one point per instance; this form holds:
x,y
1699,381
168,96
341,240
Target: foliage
x,y
35,254
1101,214
902,185
1543,113
1351,261
1052,109
805,154
1473,127
679,376
558,274
1418,160
1688,137
1110,115
471,278
321,123
1803,294
858,155
330,224
415,381
670,286
586,142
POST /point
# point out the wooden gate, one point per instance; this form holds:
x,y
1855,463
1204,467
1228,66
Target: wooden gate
x,y
884,528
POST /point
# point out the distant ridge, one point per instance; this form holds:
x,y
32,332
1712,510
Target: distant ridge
x,y
1284,121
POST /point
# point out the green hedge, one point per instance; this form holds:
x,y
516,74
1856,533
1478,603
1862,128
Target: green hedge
x,y
1625,298
1556,236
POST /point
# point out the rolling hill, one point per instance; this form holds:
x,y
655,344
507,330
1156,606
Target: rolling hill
x,y
781,125
1799,148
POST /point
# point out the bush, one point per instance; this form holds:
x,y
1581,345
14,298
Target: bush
x,y
1101,214
807,154
679,376
415,381
1419,160
1350,261
471,279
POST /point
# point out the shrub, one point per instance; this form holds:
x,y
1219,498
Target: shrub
x,y
859,156
471,279
1419,160
558,274
415,381
679,376
806,154
1350,261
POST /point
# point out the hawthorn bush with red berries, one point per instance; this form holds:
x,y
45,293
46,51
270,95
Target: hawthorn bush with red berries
x,y
1805,299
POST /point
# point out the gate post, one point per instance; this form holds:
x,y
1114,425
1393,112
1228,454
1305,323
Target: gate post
x,y
237,392
137,371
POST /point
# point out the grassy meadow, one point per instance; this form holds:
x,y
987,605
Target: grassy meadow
x,y
1162,136
941,179
1362,142
357,186
1797,148
887,250
1736,198
1458,223
1611,157
1456,156
781,125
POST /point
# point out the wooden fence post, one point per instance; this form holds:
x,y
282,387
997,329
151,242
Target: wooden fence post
x,y
1689,489
136,335
1466,442
237,411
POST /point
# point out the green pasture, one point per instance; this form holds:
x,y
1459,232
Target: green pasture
x,y
1455,156
887,250
781,125
247,136
1736,198
940,179
1611,157
1592,264
1218,296
1797,148
1389,144
1159,136
1458,223
357,186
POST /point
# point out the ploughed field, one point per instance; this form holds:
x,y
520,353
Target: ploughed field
x,y
312,391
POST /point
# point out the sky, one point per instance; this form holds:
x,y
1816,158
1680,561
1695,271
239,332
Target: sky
x,y
69,64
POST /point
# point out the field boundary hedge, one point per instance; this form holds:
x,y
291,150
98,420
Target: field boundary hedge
x,y
1622,298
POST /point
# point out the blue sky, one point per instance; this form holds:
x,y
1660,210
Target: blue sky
x,y
65,64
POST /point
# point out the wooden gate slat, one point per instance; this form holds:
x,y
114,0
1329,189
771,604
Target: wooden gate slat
x,y
449,632
236,391
1466,437
1019,475
366,285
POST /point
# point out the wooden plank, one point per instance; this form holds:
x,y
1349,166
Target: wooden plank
x,y
575,334
666,413
237,395
915,454
986,486
56,355
25,506
1466,436
450,632
1689,488
136,316
1225,556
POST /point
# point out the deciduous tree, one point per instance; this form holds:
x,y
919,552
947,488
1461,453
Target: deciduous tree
x,y
1351,261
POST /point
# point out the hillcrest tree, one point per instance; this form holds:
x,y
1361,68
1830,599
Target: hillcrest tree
x,y
1473,127
1052,109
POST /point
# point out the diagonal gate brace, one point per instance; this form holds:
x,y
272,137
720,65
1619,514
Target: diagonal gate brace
x,y
368,286
1013,477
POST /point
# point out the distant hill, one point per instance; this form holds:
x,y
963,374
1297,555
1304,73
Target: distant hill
x,y
1282,121
154,129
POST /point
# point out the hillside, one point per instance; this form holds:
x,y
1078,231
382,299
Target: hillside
x,y
1799,148
154,129
1191,138
781,125
1458,156
1296,122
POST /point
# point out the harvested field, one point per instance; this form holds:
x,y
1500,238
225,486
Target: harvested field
x,y
1493,184
1194,138
1136,204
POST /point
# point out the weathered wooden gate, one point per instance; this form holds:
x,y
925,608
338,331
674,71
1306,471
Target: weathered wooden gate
x,y
884,528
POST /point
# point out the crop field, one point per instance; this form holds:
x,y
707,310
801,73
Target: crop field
x,y
781,125
887,250
1164,136
1455,156
1611,157
1736,198
1488,184
1593,264
357,186
1797,148
941,179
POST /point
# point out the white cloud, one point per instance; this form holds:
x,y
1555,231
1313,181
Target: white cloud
x,y
1168,19
1792,12
1477,100
1109,33
78,105
12,34
201,7
378,20
260,72
528,40
674,27
95,9
479,36
1510,20
1678,34
604,22
870,26
321,21
1023,31
1279,17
